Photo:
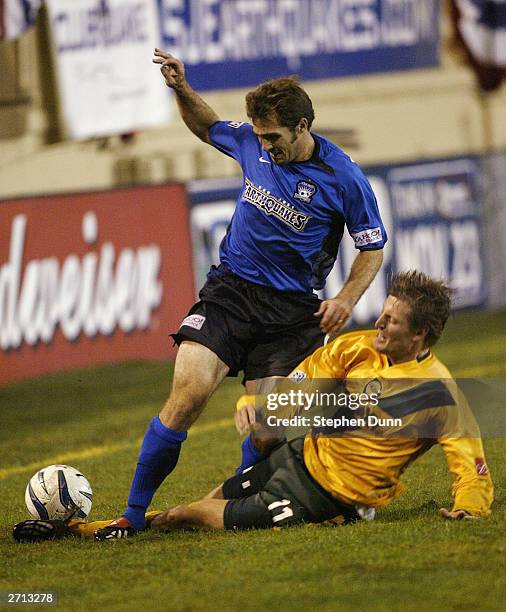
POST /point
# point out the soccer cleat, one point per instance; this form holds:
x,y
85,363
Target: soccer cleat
x,y
38,530
120,528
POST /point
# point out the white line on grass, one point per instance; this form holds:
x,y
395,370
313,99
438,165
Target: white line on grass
x,y
99,451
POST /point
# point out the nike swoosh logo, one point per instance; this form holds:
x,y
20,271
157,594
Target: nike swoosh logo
x,y
264,161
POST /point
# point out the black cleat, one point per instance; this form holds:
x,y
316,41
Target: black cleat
x,y
120,528
37,530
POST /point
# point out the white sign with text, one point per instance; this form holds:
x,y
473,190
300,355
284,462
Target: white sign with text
x,y
107,82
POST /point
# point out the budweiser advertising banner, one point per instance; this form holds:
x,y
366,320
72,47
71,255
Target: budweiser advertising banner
x,y
92,278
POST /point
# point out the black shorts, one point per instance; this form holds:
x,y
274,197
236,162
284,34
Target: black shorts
x,y
279,492
251,327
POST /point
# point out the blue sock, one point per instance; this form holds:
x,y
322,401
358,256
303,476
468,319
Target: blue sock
x,y
158,457
250,455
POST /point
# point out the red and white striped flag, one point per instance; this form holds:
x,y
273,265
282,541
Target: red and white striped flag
x,y
16,16
481,27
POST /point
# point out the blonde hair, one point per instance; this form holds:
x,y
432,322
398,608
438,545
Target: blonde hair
x,y
429,299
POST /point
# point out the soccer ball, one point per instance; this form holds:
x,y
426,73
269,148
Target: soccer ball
x,y
58,492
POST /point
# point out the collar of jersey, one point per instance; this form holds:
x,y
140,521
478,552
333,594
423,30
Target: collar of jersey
x,y
316,157
411,362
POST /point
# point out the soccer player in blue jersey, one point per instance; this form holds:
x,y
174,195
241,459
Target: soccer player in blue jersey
x,y
258,312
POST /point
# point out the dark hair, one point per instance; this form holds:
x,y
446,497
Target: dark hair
x,y
429,299
284,99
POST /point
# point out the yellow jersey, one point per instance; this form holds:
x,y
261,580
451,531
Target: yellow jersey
x,y
365,469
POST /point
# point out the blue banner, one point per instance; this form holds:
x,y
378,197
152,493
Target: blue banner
x,y
432,212
238,43
436,211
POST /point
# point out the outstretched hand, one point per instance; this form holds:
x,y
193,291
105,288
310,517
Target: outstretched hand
x,y
456,515
334,313
171,68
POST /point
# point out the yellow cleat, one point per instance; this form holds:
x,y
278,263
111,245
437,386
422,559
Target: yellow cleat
x,y
83,529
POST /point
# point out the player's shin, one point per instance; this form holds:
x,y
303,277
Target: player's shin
x,y
158,457
250,455
206,514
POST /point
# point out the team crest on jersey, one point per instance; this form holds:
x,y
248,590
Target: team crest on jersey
x,y
373,387
235,124
305,191
270,205
298,376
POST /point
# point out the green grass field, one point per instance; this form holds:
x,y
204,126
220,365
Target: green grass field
x,y
407,559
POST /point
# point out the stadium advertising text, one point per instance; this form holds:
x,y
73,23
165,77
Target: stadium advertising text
x,y
95,294
91,278
315,38
91,26
437,207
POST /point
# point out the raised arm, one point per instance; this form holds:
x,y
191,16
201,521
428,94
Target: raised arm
x,y
195,112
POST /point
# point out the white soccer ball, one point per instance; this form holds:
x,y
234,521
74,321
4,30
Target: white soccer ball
x,y
58,492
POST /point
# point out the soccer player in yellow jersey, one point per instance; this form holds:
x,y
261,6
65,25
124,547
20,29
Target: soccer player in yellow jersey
x,y
324,476
345,473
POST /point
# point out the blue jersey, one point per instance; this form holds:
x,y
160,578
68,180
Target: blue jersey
x,y
290,218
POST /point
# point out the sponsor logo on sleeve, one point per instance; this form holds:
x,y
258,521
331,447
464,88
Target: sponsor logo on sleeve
x,y
195,321
235,124
481,466
368,236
